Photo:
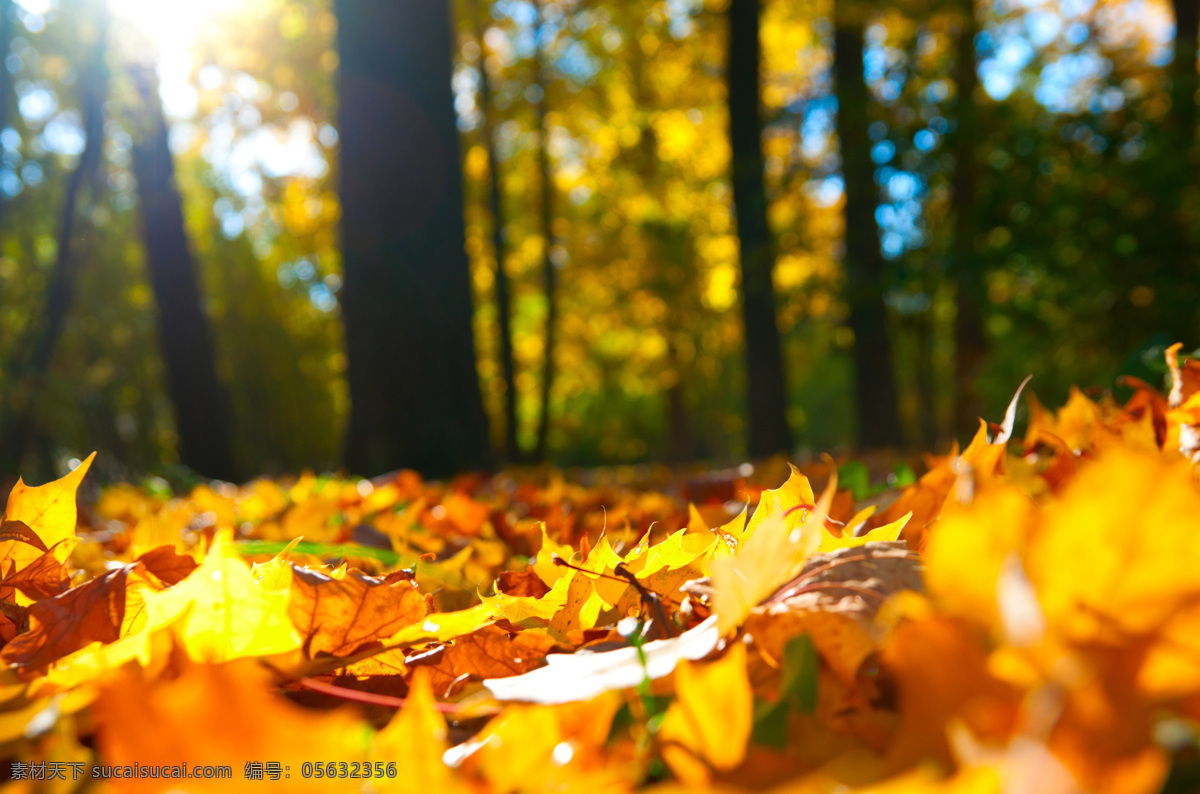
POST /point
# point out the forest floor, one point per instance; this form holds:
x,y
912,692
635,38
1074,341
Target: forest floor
x,y
1025,616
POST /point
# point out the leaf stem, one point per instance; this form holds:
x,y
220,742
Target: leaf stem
x,y
387,701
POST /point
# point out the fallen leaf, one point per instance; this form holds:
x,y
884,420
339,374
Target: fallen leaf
x,y
216,715
91,612
222,612
489,652
710,721
340,616
771,552
550,748
49,510
417,737
584,675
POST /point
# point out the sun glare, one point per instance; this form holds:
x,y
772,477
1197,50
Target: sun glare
x,y
166,32
168,27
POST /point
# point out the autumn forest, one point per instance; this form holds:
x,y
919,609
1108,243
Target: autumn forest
x,y
600,395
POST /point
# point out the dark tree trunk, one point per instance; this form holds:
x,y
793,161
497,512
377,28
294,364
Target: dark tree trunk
x,y
27,375
766,388
508,367
6,87
1184,79
679,436
925,331
875,388
202,414
1171,243
970,344
549,271
414,391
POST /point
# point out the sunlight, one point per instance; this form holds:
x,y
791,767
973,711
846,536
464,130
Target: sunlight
x,y
167,27
166,33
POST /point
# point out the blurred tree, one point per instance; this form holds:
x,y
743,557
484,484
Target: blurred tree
x,y
1185,93
415,398
1184,81
202,413
31,359
549,270
874,381
503,292
672,280
6,83
766,405
258,171
966,267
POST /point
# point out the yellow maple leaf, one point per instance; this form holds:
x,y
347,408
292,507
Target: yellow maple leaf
x,y
229,614
550,748
889,532
275,575
49,511
977,538
791,502
417,736
772,551
442,626
1118,550
544,565
710,722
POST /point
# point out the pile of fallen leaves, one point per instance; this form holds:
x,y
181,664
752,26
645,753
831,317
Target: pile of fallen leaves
x,y
1025,617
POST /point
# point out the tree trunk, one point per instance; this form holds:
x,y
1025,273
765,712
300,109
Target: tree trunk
x,y
1171,242
766,388
202,413
414,390
44,332
549,271
1184,79
875,388
6,86
970,344
508,367
679,436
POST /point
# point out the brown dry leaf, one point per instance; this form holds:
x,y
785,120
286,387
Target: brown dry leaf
x,y
856,579
523,584
834,600
489,652
340,616
1147,400
19,531
45,577
168,565
923,501
91,612
102,610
